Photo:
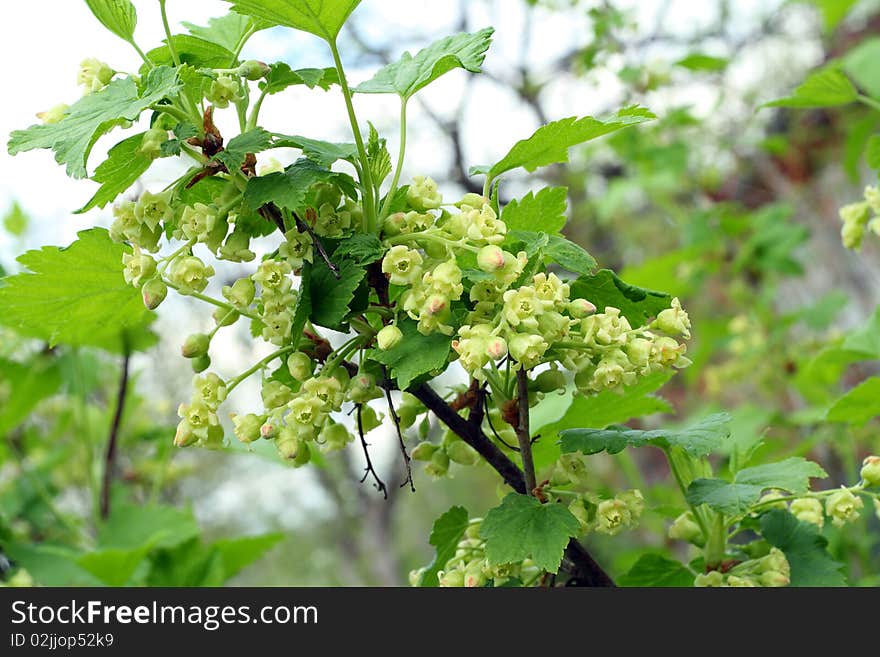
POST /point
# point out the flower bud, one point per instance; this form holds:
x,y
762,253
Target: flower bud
x,y
300,366
685,528
423,194
54,114
674,320
578,508
424,451
439,464
768,497
740,582
711,579
154,292
389,337
247,427
275,394
870,472
200,363
363,388
550,381
93,75
253,70
462,453
184,437
195,345
451,578
369,419
394,224
808,509
288,443
774,578
490,258
151,144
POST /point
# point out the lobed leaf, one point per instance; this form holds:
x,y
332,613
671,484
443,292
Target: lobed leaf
x,y
409,74
445,535
323,18
91,116
604,288
415,355
550,143
826,88
805,549
541,212
124,165
523,528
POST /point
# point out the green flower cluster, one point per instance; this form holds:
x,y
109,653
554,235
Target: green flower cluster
x,y
860,217
470,568
771,570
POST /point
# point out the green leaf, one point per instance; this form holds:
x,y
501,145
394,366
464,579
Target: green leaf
x,y
323,18
114,567
281,76
330,296
51,565
862,64
415,354
605,288
75,295
569,255
409,74
361,248
124,165
252,141
378,157
872,152
192,51
700,439
599,411
15,221
550,143
238,553
28,383
792,475
541,212
523,528
445,535
833,11
288,189
226,31
859,405
701,62
131,526
118,16
322,153
826,88
805,549
91,116
655,570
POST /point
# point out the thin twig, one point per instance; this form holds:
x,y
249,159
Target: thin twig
x,y
110,455
304,227
497,435
523,434
396,420
369,470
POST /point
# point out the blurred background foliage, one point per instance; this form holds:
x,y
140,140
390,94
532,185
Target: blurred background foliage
x,y
732,209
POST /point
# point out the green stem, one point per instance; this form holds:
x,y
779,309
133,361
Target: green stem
x,y
167,27
207,299
367,182
241,42
870,102
233,383
167,259
141,53
431,237
400,157
682,485
255,110
171,110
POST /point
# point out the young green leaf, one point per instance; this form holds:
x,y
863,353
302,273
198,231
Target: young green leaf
x,y
569,255
322,153
252,141
805,549
792,475
124,165
700,439
414,355
289,188
192,51
75,295
361,248
330,296
702,62
862,64
410,74
15,222
28,384
237,553
523,528
604,288
826,88
550,143
91,116
445,535
859,405
323,18
541,212
657,570
378,156
281,76
118,16
227,31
